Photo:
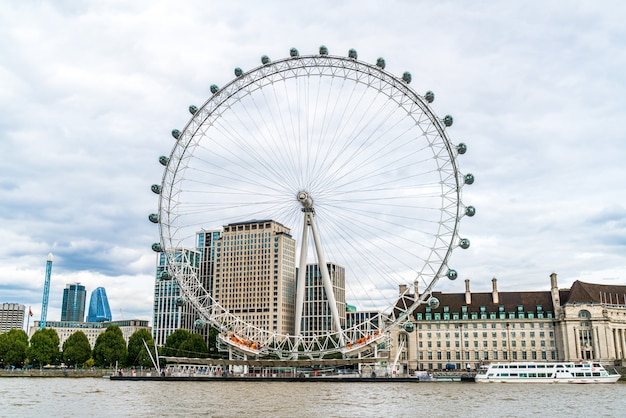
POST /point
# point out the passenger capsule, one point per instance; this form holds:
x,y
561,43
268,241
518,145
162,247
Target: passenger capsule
x,y
214,88
470,211
352,53
409,326
464,243
180,301
193,109
452,274
165,275
406,77
154,218
156,247
238,72
429,96
433,302
156,189
199,323
380,62
265,60
468,178
176,133
293,52
323,50
461,148
164,160
447,120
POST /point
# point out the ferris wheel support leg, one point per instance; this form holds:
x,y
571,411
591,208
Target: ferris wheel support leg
x,y
300,281
328,285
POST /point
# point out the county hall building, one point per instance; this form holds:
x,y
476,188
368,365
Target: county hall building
x,y
586,321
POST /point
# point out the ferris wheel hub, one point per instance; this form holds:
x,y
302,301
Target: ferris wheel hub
x,y
306,201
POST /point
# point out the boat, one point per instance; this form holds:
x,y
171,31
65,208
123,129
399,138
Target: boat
x,y
548,372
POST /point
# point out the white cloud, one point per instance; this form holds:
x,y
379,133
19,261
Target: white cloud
x,y
91,91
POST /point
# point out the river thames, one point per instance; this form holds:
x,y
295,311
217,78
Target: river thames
x,y
97,397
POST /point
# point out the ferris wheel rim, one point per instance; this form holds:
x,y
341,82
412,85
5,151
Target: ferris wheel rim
x,y
167,215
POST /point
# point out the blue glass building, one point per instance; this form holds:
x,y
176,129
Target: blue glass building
x,y
73,306
99,310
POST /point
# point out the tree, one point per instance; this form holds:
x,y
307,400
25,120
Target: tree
x,y
174,341
182,343
44,347
137,353
76,349
13,345
110,347
213,333
194,346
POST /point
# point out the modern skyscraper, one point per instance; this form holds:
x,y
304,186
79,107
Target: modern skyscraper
x,y
316,316
11,316
99,310
171,310
73,306
255,274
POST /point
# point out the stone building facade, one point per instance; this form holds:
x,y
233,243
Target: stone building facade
x,y
587,321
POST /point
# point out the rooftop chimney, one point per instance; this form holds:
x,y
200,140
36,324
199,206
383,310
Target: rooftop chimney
x,y
403,289
554,289
468,295
494,291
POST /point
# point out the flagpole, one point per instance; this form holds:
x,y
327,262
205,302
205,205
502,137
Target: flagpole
x,y
30,313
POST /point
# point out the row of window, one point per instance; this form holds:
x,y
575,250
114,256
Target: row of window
x,y
487,355
455,316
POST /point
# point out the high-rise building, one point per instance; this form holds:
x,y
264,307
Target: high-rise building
x,y
11,316
248,268
316,314
208,243
99,310
73,306
171,309
255,274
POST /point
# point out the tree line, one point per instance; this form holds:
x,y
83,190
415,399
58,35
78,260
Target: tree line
x,y
110,348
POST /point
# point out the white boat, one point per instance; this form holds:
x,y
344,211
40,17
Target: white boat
x,y
549,372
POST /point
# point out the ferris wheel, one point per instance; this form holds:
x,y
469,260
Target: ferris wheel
x,y
358,174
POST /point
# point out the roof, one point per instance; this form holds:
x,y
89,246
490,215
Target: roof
x,y
582,292
510,301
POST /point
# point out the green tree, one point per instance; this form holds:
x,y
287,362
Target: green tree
x,y
182,343
213,332
174,341
76,349
137,353
44,347
110,347
194,346
13,345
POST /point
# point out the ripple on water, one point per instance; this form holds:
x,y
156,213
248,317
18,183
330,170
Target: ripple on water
x,y
101,398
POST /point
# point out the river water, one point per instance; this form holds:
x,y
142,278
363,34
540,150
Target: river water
x,y
97,397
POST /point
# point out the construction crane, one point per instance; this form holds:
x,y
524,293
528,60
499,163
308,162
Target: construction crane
x,y
46,292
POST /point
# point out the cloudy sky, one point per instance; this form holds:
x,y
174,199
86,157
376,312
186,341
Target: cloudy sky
x,y
89,92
